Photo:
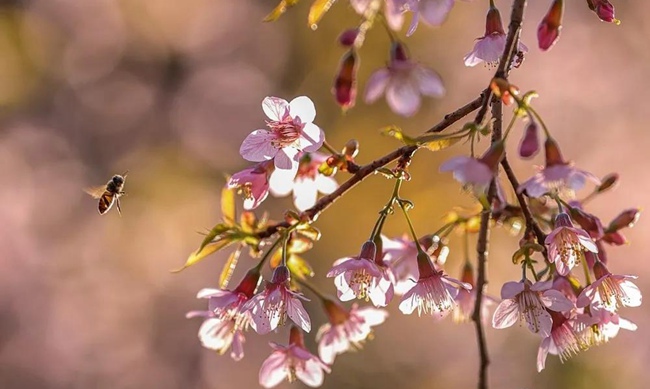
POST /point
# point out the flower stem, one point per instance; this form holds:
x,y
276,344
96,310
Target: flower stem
x,y
385,211
269,251
329,148
402,205
585,267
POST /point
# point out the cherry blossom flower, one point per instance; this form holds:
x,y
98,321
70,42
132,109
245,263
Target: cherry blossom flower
x,y
346,330
476,173
523,300
292,362
490,46
562,341
556,175
434,291
432,12
253,182
393,11
220,334
361,277
404,81
612,291
270,308
306,184
566,243
290,131
598,325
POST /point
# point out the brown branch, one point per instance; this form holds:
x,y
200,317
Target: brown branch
x,y
512,42
364,171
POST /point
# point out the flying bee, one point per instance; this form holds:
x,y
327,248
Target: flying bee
x,y
109,193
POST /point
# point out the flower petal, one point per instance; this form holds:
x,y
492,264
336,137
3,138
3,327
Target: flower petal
x,y
506,314
542,353
274,369
257,146
297,313
429,82
632,292
304,108
275,107
403,97
376,85
312,138
312,373
510,289
281,182
434,12
556,301
284,159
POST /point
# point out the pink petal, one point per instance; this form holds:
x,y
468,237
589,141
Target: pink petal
x,y
542,286
506,314
510,289
382,293
394,15
429,82
257,146
312,138
274,107
297,313
542,353
281,182
409,301
435,12
376,85
304,108
312,374
238,346
539,322
633,294
372,316
326,185
284,159
402,97
586,241
626,324
556,301
304,194
587,296
274,369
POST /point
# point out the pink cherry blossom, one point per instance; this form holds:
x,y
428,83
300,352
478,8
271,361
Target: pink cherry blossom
x,y
270,308
292,362
562,341
490,47
523,300
598,325
306,184
346,330
432,12
556,178
566,243
361,277
393,11
290,131
433,293
253,182
403,81
612,291
466,299
476,173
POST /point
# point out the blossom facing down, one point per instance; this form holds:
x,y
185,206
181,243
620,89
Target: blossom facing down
x,y
292,362
490,47
403,81
566,243
221,334
290,131
399,255
270,308
476,173
305,183
360,277
433,293
612,291
393,11
431,12
562,341
346,330
253,182
598,325
523,300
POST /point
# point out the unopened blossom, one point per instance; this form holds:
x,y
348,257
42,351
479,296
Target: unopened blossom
x,y
466,299
403,81
525,301
305,184
490,47
557,175
549,29
476,173
253,183
345,82
529,145
393,11
598,325
433,293
604,9
270,308
292,362
610,290
562,341
290,131
566,244
346,330
362,278
431,12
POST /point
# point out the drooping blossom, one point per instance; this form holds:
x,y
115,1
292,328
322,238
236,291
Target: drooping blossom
x,y
476,173
270,308
220,334
362,278
253,182
490,47
292,362
433,293
562,341
403,82
399,254
393,11
431,12
610,290
526,301
566,244
598,325
290,131
557,175
549,29
305,184
466,299
346,330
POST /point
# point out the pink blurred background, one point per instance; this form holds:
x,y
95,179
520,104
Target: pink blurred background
x,y
169,89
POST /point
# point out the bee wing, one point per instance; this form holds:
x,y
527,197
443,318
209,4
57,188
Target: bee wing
x,y
96,191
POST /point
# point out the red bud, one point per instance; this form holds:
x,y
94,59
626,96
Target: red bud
x,y
626,218
345,84
529,145
348,37
548,31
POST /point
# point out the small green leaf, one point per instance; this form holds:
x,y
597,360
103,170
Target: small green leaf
x,y
317,10
228,206
436,145
299,266
213,233
396,133
204,252
229,268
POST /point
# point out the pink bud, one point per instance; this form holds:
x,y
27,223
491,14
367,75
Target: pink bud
x,y
548,31
608,182
529,145
348,37
626,218
345,84
604,9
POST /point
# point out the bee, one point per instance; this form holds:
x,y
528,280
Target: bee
x,y
109,194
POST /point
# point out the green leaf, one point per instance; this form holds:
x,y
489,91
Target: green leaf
x,y
228,206
317,10
229,268
396,133
299,266
308,231
204,252
439,144
217,230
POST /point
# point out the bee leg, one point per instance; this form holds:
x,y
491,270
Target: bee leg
x,y
119,209
122,193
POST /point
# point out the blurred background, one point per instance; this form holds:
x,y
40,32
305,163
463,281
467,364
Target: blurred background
x,y
169,89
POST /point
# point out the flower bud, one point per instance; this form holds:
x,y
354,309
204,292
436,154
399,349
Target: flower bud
x,y
529,145
588,222
548,31
348,37
608,182
553,154
249,283
296,337
335,312
615,238
504,90
493,24
345,84
604,9
351,148
626,218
